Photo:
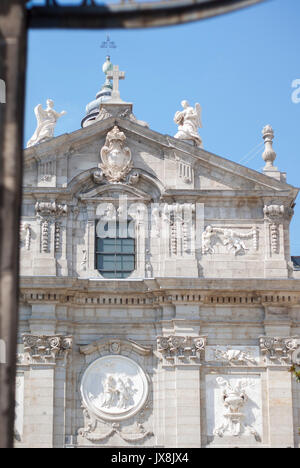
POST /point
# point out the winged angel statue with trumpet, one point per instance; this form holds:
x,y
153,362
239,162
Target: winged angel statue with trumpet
x,y
188,121
46,122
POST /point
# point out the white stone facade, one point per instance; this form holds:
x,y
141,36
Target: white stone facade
x,y
175,355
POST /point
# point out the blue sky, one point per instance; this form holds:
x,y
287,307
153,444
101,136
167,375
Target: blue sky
x,y
239,67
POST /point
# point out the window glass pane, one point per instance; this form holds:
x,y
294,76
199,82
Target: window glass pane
x,y
109,262
99,262
118,245
115,257
127,246
128,263
107,246
106,262
108,275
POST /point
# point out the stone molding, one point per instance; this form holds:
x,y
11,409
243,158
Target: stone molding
x,y
44,349
198,297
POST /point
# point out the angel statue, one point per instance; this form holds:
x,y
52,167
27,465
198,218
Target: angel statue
x,y
188,122
46,122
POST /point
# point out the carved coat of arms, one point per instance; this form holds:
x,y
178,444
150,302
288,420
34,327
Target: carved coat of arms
x,y
116,157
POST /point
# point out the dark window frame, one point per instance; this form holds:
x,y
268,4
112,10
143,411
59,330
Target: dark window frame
x,y
118,273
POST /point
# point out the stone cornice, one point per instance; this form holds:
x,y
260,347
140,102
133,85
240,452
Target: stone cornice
x,y
160,292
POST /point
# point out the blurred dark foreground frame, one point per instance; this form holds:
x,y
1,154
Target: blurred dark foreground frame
x,y
15,20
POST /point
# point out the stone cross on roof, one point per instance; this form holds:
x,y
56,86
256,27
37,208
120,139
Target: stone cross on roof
x,y
115,75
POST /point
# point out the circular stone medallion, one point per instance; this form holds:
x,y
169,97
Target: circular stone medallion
x,y
114,387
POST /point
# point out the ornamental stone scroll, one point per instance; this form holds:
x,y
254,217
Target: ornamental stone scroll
x,y
44,349
184,349
281,350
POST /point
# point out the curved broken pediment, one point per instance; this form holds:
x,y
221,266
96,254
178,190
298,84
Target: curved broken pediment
x,y
115,346
139,185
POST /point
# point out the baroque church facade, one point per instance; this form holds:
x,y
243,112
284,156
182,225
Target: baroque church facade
x,y
159,306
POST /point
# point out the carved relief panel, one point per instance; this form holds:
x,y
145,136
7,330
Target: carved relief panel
x,y
116,393
234,409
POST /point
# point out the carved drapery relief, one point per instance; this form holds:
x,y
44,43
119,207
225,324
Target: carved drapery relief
x,y
275,215
116,157
177,221
49,212
57,241
41,349
45,236
234,399
25,235
90,430
182,349
274,234
278,349
231,239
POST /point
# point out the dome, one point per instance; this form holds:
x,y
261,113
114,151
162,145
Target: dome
x,y
92,109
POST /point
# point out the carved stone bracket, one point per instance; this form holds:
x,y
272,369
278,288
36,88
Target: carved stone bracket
x,y
181,349
279,350
41,349
115,346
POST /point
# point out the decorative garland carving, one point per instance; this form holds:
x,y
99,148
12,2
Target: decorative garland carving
x,y
232,239
90,425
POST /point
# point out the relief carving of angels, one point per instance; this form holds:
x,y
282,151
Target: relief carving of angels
x,y
46,123
188,121
118,392
231,239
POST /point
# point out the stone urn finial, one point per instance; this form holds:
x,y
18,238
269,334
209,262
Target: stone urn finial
x,y
269,154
